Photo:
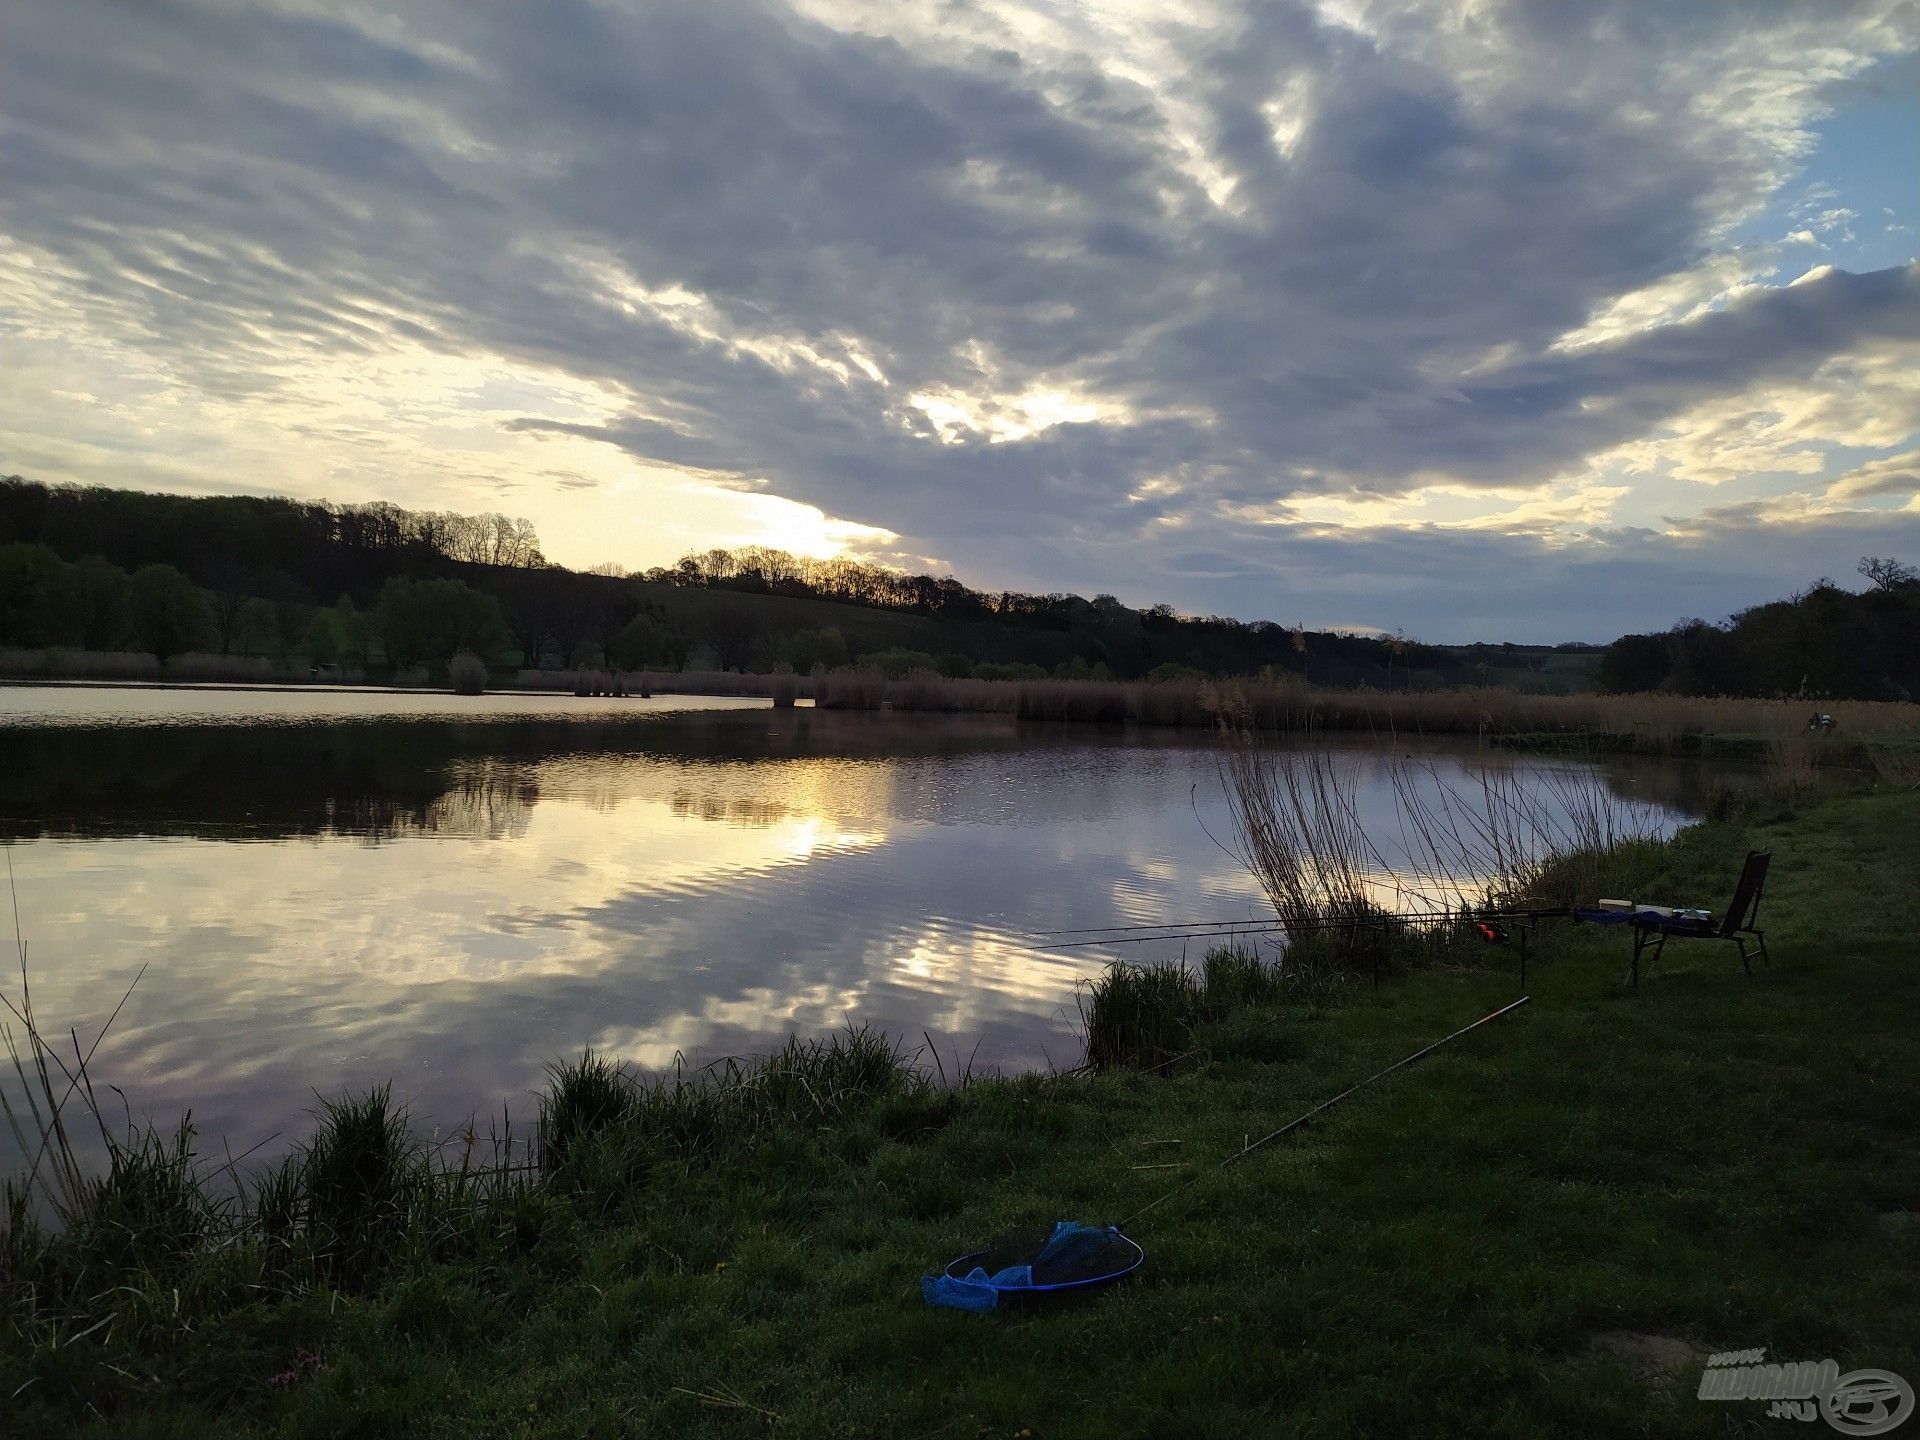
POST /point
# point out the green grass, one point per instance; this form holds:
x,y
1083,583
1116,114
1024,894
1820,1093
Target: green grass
x,y
1718,1159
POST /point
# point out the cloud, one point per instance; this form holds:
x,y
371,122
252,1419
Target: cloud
x,y
1032,287
1893,475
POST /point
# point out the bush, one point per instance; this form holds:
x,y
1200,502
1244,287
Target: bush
x,y
1634,663
421,620
805,649
642,642
467,673
1019,670
897,664
1161,674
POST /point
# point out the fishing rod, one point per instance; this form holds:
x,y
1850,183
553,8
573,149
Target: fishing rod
x,y
1324,1105
1199,925
1340,922
1157,925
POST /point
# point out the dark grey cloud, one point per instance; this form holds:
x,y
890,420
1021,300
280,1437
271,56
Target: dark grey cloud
x,y
1289,258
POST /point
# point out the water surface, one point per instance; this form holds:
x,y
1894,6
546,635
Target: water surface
x,y
328,890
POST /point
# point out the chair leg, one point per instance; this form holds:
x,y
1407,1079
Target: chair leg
x,y
1760,939
1745,964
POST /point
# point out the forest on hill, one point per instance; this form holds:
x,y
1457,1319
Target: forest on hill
x,y
376,586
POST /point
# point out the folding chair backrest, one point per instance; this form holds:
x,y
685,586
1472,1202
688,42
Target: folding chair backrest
x,y
1746,892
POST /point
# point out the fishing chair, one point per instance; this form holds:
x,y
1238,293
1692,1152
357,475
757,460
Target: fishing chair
x,y
1739,925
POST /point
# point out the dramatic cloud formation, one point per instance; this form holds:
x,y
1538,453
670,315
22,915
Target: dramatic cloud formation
x,y
1435,316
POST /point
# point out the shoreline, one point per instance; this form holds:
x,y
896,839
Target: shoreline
x,y
1883,736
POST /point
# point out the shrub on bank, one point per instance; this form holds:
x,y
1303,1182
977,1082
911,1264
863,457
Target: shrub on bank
x,y
467,673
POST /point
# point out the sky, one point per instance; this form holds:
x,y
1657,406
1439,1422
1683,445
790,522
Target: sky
x,y
1536,320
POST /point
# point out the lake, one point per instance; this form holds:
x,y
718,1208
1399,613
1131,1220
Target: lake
x,y
331,889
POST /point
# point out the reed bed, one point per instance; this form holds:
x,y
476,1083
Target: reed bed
x,y
705,682
1774,732
1453,844
189,669
849,688
1353,901
1277,703
1350,901
1648,724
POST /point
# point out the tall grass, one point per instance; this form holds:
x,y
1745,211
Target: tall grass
x,y
1353,901
1896,766
597,1117
358,1176
1148,1017
583,1098
158,1239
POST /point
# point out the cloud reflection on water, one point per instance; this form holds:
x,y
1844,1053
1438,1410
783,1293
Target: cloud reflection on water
x,y
328,907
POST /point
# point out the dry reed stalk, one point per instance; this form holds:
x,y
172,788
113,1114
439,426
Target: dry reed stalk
x,y
1461,842
1297,831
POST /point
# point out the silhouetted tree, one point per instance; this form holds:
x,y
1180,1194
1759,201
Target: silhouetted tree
x,y
166,614
88,603
1887,573
426,621
1635,663
731,631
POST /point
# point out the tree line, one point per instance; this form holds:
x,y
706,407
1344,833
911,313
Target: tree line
x,y
371,585
282,576
92,604
1824,643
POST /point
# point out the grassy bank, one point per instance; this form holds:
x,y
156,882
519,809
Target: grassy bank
x,y
1541,1230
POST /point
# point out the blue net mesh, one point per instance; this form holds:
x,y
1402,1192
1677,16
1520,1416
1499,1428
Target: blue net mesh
x,y
1067,1256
